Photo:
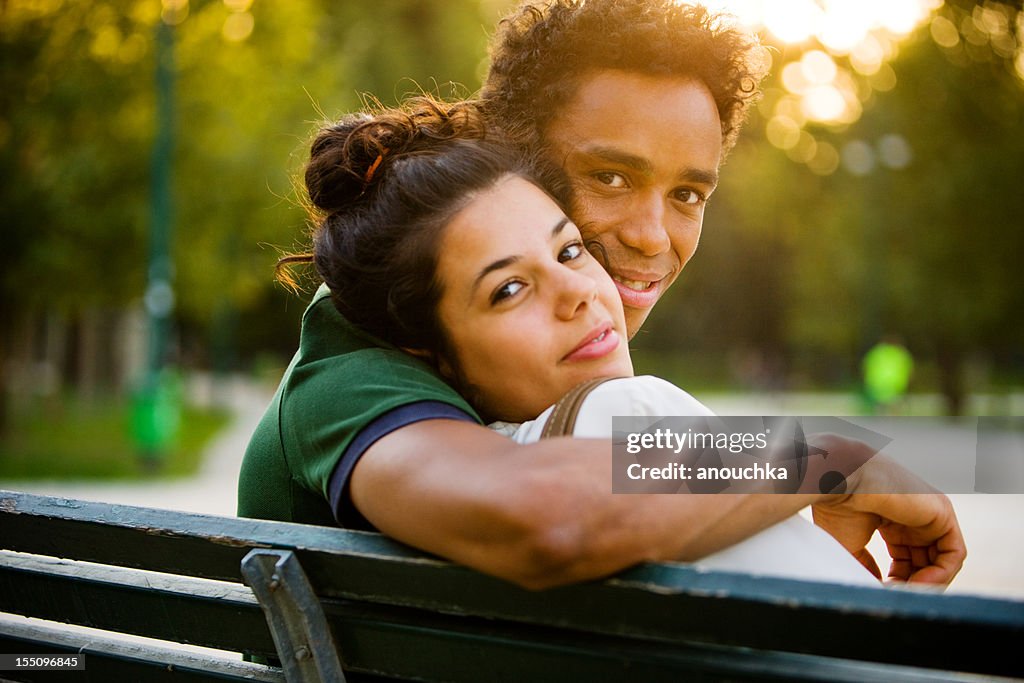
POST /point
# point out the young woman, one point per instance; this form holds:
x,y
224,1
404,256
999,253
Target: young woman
x,y
438,239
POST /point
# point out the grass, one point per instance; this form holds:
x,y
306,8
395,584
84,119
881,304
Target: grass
x,y
71,439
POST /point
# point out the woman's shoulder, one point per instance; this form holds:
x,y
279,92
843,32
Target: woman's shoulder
x,y
644,395
640,396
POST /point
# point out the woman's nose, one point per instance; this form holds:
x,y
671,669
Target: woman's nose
x,y
574,292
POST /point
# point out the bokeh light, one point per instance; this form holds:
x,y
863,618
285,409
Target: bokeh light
x,y
838,25
894,151
240,22
238,26
858,157
174,12
841,56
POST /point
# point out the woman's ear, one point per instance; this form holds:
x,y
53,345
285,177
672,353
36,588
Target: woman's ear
x,y
438,361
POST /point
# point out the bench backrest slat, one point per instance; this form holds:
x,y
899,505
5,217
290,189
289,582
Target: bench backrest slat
x,y
666,605
402,642
191,611
110,659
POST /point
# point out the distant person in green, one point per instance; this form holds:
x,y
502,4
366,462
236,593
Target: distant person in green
x,y
887,369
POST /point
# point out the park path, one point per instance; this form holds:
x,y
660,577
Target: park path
x,y
993,525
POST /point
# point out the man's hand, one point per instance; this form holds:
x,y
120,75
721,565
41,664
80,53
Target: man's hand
x,y
852,528
932,553
920,529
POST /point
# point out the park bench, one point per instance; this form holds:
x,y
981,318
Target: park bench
x,y
330,605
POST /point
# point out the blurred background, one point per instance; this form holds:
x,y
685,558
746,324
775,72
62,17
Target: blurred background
x,y
150,154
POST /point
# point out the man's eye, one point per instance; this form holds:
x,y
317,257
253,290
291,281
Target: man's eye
x,y
610,179
570,252
688,196
505,291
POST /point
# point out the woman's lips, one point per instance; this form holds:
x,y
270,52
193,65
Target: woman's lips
x,y
598,343
637,293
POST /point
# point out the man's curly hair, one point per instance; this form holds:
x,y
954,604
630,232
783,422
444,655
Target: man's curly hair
x,y
543,49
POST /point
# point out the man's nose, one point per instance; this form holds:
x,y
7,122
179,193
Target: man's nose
x,y
574,291
645,229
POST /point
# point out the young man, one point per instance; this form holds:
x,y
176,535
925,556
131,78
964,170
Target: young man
x,y
638,100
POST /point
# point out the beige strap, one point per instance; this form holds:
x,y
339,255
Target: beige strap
x,y
563,417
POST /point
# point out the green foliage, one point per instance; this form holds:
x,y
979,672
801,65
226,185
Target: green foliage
x,y
92,440
75,140
796,276
813,269
76,132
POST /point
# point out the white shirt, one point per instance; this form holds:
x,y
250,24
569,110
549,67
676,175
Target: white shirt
x,y
793,548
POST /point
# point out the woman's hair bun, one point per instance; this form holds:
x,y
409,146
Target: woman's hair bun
x,y
333,179
347,158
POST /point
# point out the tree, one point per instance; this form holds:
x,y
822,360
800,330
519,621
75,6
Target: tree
x,y
813,261
252,81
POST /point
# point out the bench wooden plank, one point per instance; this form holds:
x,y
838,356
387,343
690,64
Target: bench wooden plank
x,y
374,587
109,659
385,640
437,647
673,603
184,610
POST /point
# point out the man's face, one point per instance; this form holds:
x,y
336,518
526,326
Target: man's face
x,y
642,153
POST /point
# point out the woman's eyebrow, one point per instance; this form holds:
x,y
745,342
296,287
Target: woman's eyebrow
x,y
509,260
497,265
559,226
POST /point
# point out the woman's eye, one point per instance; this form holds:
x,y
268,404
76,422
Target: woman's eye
x,y
610,179
570,252
507,290
688,196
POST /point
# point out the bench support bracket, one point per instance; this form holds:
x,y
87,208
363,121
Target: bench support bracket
x,y
297,623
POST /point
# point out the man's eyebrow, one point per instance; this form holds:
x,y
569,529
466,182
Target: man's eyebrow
x,y
642,165
617,156
509,260
699,175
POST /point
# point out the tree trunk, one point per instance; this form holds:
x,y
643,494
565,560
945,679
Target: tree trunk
x,y
6,334
951,380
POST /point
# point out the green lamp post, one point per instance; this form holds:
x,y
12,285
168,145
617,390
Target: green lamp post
x,y
156,409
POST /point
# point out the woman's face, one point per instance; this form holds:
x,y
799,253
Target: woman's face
x,y
529,312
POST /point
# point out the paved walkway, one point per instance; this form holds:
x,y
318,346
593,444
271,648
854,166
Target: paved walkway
x,y
993,524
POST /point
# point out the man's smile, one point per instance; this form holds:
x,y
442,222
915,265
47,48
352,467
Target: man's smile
x,y
637,285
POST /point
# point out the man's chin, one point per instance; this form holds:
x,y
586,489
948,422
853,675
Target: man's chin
x,y
635,318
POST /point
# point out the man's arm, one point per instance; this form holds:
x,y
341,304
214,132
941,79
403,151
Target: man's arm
x,y
540,514
543,514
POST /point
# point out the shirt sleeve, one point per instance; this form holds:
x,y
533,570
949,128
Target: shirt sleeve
x,y
345,512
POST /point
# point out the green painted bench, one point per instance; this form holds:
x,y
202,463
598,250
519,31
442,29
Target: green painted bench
x,y
336,605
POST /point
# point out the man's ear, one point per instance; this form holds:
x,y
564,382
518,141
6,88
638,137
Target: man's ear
x,y
443,366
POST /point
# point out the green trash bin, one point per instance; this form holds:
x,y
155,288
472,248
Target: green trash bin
x,y
156,417
887,367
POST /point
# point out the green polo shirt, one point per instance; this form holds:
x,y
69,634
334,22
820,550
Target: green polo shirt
x,y
339,388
